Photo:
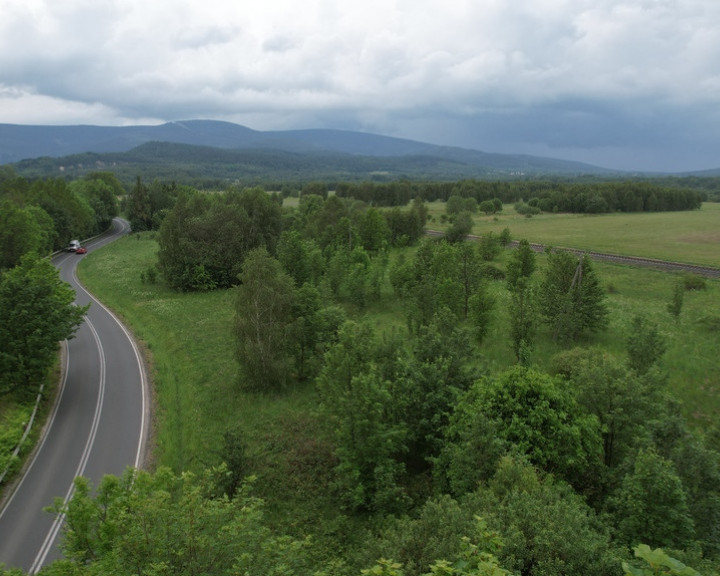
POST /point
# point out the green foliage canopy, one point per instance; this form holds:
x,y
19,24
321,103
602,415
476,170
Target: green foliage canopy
x,y
263,320
23,230
651,505
540,417
36,312
145,523
204,239
571,298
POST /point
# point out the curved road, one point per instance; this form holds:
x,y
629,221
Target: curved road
x,y
98,426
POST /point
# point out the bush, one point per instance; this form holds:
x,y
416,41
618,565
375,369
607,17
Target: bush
x,y
149,275
489,246
505,237
526,209
694,282
488,207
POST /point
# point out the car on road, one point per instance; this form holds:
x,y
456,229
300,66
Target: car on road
x,y
81,250
73,246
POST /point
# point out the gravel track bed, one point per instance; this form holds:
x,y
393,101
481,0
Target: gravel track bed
x,y
706,271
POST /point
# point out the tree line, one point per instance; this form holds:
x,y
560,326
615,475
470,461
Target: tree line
x,y
204,239
44,215
548,196
36,307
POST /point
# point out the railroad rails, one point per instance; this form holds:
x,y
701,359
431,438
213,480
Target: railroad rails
x,y
706,271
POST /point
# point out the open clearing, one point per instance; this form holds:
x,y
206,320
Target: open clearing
x,y
691,237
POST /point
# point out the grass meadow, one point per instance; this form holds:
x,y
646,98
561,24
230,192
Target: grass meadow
x,y
189,344
691,237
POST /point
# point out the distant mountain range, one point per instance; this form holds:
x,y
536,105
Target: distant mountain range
x,y
200,145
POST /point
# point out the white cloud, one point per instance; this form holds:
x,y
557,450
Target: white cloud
x,y
388,65
20,105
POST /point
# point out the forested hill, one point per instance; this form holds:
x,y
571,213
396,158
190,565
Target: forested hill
x,y
206,166
302,154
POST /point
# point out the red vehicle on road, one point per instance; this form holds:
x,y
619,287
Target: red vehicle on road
x,y
81,250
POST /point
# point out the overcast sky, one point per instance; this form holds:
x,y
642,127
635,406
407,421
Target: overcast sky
x,y
630,84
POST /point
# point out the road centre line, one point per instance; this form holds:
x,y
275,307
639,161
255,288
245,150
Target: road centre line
x,y
57,524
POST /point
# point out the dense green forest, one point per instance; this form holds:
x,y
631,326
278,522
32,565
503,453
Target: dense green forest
x,y
206,167
545,195
44,215
439,463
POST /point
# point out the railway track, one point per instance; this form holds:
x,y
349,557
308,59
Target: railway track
x,y
706,271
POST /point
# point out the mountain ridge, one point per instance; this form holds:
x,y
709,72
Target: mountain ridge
x,y
20,142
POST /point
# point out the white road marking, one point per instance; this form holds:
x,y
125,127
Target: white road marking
x,y
57,524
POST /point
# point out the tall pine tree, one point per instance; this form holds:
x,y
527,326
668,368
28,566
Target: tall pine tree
x,y
571,298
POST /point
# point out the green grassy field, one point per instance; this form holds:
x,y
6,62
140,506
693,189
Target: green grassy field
x,y
691,237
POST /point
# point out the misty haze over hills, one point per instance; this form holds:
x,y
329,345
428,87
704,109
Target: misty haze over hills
x,y
19,142
227,151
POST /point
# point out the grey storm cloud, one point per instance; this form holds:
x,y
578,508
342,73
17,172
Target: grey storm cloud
x,y
631,84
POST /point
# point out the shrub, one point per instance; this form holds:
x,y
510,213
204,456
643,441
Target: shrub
x,y
526,209
488,207
505,237
12,427
489,246
694,282
149,275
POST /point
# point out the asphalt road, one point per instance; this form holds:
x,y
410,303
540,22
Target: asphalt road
x,y
99,425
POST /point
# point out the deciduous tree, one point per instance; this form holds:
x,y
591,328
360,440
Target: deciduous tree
x,y
301,258
651,505
139,207
263,320
71,214
489,246
369,437
144,523
521,264
540,416
204,239
20,233
523,319
462,226
373,230
36,313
